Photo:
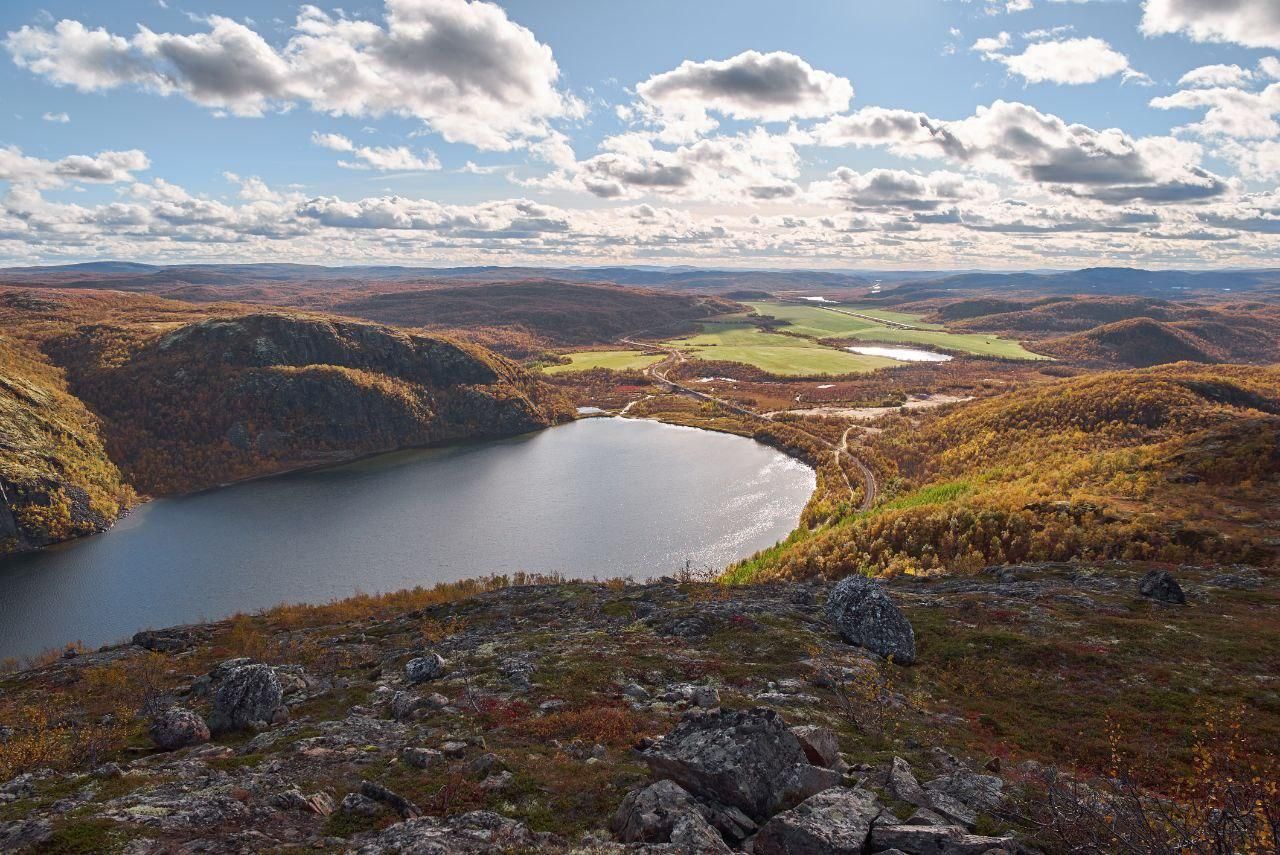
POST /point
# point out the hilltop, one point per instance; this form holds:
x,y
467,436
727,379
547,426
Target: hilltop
x,y
183,397
498,717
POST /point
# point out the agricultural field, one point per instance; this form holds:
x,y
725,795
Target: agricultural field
x,y
777,354
825,323
615,360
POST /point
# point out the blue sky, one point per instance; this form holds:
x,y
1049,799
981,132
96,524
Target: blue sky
x,y
747,133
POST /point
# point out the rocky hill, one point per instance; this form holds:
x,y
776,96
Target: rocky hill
x,y
672,717
1176,463
186,397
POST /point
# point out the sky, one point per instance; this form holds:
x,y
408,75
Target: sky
x,y
840,134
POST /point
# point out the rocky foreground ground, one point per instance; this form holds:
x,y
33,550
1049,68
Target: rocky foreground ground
x,y
674,716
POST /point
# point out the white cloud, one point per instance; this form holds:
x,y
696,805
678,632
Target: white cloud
x,y
1069,61
1229,111
1216,75
770,87
993,44
381,158
1252,23
107,167
1256,161
896,189
1019,141
461,66
58,118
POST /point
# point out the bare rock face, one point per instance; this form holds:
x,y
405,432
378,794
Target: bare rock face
x,y
864,615
834,822
249,694
177,727
1159,585
820,745
746,759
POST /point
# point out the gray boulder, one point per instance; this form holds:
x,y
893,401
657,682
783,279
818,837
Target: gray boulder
x,y
430,667
820,745
664,812
745,759
834,822
176,728
249,694
864,615
1159,585
980,792
903,785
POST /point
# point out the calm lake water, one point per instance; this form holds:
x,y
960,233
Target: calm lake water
x,y
598,497
902,354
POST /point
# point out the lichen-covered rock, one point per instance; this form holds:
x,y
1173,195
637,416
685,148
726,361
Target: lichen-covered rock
x,y
903,785
746,759
664,812
177,727
935,840
834,822
477,831
1160,585
864,615
820,745
249,694
424,668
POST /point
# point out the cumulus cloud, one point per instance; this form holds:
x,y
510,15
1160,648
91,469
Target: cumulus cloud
x,y
107,167
382,158
1019,141
1068,61
1252,23
896,189
461,66
1229,110
772,87
1216,75
57,118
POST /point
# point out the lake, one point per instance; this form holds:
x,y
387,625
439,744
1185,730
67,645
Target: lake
x,y
600,497
902,354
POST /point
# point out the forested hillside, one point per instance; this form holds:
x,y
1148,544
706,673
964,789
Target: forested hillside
x,y
1179,463
188,397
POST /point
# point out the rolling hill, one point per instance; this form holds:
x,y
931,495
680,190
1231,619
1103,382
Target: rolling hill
x,y
107,390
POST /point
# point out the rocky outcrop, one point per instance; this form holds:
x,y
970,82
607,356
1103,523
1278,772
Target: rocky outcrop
x,y
864,615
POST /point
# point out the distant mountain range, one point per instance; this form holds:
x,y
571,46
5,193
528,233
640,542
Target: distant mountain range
x,y
896,286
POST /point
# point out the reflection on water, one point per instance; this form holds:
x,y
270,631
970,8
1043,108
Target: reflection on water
x,y
599,497
902,354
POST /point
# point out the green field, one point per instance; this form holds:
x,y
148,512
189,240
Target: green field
x,y
616,360
824,323
777,354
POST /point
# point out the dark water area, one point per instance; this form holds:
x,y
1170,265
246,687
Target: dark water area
x,y
594,498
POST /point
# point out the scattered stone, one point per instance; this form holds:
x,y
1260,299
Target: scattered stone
x,y
358,804
820,745
834,822
165,640
177,727
248,695
422,758
981,792
705,697
1161,586
424,668
454,748
746,759
864,615
293,799
636,692
395,801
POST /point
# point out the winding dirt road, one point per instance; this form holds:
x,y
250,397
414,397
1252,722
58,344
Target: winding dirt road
x,y
659,371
